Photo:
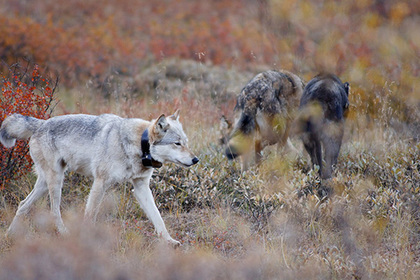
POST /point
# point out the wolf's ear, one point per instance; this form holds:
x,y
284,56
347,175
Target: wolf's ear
x,y
161,125
347,88
175,116
224,123
225,128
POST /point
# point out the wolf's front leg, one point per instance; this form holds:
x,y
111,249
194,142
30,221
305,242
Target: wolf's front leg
x,y
144,196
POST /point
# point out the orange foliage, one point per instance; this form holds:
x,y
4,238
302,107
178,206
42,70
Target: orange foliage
x,y
28,94
368,43
88,39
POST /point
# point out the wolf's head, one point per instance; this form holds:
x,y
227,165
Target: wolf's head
x,y
168,142
237,139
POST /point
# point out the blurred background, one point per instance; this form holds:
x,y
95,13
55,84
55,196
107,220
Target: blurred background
x,y
139,58
107,45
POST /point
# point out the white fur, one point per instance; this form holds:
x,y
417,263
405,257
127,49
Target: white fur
x,y
104,147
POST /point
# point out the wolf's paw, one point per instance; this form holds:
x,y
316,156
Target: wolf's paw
x,y
62,230
174,243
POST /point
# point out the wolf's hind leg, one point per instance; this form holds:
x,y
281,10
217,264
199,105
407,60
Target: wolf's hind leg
x,y
95,198
39,190
332,149
55,185
258,149
245,159
314,149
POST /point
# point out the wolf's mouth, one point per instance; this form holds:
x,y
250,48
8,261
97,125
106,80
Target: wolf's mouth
x,y
195,160
231,153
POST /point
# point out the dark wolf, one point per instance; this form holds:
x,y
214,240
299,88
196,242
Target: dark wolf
x,y
264,112
323,108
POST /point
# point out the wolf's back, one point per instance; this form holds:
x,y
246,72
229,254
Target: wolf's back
x,y
17,126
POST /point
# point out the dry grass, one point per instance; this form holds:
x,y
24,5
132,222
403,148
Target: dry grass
x,y
275,221
278,220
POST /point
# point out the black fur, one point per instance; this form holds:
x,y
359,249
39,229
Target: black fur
x,y
323,128
247,124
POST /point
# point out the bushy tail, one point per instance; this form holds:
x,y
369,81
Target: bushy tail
x,y
241,135
17,126
309,119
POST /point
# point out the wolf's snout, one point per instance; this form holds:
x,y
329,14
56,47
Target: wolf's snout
x,y
195,160
231,152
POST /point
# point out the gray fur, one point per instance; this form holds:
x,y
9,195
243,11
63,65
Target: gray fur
x,y
17,126
264,111
105,147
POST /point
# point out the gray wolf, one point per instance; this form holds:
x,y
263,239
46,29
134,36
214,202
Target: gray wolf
x,y
323,108
108,148
264,112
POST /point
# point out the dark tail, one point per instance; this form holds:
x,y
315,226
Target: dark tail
x,y
309,119
239,142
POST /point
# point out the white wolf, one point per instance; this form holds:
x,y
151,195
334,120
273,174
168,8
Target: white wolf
x,y
108,148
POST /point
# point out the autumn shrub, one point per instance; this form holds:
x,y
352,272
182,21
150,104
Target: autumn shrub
x,y
104,43
27,92
92,42
276,221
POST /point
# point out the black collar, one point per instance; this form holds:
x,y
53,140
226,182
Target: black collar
x,y
147,158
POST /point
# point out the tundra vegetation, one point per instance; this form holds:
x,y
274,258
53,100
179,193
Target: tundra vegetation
x,y
278,220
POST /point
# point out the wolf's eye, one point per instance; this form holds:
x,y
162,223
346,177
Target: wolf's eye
x,y
177,143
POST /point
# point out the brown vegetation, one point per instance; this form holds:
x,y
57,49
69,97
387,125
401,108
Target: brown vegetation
x,y
278,220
